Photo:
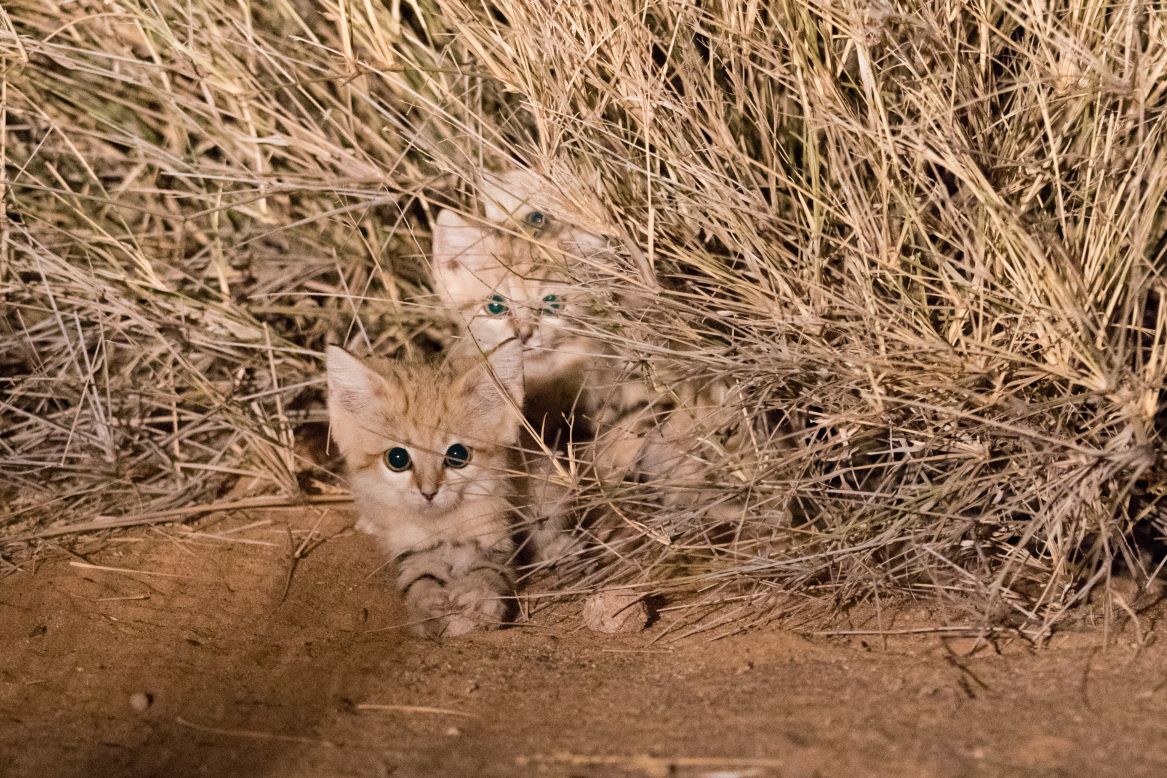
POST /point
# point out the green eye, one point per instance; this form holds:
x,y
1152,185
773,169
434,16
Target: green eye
x,y
552,304
536,220
397,459
457,456
496,305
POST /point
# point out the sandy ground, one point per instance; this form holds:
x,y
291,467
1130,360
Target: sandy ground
x,y
250,671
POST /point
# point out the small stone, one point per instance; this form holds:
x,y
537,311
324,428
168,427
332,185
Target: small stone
x,y
141,701
615,611
453,732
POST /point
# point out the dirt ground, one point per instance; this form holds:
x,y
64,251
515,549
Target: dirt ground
x,y
251,671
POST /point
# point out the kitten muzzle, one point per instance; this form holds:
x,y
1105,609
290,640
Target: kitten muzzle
x,y
524,331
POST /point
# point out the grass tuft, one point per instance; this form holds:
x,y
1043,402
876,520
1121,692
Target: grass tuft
x,y
923,244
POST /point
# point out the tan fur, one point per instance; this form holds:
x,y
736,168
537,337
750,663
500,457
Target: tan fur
x,y
453,547
569,375
473,263
566,371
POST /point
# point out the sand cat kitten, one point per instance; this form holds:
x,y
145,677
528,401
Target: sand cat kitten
x,y
515,274
427,452
507,276
505,286
510,276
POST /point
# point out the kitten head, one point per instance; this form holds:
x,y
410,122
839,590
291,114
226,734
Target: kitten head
x,y
426,437
509,277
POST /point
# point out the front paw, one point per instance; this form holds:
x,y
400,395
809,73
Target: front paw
x,y
429,606
483,602
550,545
477,603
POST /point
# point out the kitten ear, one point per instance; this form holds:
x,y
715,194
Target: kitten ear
x,y
492,390
458,243
352,385
354,389
510,194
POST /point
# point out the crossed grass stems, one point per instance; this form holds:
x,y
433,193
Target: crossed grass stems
x,y
924,242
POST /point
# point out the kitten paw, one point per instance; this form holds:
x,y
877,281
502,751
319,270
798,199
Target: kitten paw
x,y
453,610
482,606
550,546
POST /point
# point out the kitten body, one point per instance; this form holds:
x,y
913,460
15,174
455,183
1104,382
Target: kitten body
x,y
427,447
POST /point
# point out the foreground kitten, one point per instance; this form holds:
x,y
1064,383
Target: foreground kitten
x,y
427,452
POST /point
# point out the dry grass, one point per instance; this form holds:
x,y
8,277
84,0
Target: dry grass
x,y
924,241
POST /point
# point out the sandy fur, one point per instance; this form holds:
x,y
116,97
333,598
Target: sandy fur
x,y
453,548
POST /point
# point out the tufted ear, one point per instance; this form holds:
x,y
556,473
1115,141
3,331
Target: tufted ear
x,y
352,385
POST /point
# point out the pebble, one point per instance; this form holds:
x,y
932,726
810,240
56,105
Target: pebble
x,y
615,611
141,701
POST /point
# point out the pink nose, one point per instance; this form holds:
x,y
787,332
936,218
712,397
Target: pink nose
x,y
429,496
525,331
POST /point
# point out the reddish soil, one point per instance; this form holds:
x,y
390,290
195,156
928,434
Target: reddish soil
x,y
250,672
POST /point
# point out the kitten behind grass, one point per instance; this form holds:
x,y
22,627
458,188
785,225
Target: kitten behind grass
x,y
427,450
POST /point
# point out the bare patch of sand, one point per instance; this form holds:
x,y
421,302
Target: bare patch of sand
x,y
252,666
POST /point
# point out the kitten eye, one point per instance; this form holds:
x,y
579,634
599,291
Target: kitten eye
x,y
496,305
552,304
397,459
536,220
457,456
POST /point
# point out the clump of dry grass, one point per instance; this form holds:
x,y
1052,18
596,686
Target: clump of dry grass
x,y
923,242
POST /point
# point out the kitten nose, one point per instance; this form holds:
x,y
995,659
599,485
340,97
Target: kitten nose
x,y
429,496
524,330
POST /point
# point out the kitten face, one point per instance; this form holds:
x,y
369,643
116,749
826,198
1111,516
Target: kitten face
x,y
425,438
514,286
427,471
